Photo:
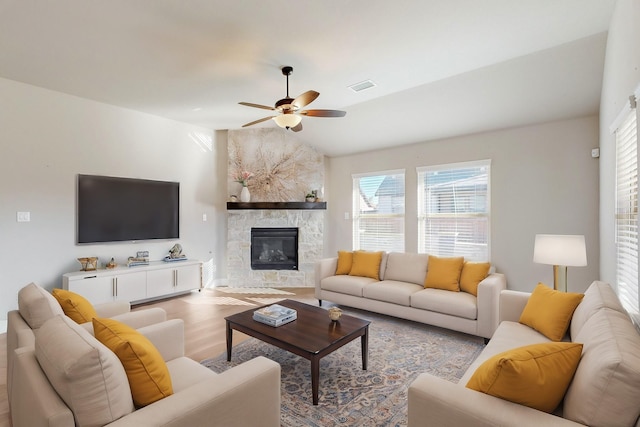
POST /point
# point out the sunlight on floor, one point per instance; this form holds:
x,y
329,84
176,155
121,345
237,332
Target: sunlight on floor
x,y
258,291
266,300
207,300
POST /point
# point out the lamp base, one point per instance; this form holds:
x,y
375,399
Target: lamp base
x,y
560,278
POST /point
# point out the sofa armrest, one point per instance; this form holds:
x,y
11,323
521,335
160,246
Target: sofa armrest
x,y
113,308
19,335
489,303
245,395
141,318
324,268
445,404
512,304
167,337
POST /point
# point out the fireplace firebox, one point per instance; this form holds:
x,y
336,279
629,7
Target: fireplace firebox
x,y
274,248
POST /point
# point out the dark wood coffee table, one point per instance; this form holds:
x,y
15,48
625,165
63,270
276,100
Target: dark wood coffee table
x,y
312,335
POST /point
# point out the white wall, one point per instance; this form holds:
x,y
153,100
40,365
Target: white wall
x,y
621,78
543,180
47,138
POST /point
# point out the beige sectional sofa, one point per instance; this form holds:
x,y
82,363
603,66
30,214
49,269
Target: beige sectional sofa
x,y
604,391
400,292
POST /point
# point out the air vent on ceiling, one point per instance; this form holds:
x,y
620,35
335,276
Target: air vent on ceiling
x,y
359,87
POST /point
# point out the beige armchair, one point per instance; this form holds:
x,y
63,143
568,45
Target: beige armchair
x,y
67,390
36,305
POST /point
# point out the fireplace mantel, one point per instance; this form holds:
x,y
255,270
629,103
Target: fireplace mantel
x,y
276,205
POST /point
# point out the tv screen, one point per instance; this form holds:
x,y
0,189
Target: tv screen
x,y
111,209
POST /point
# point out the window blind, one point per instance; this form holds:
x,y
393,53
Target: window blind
x,y
626,211
453,210
378,211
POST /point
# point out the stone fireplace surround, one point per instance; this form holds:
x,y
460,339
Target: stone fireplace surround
x,y
310,246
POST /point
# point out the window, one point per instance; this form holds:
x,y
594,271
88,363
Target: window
x,y
453,210
378,211
626,210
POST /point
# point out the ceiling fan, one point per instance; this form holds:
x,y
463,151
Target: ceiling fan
x,y
290,116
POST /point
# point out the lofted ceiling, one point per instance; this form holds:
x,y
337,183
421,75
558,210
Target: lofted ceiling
x,y
441,67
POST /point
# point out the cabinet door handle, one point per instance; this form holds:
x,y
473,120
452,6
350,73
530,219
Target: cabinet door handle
x,y
115,286
175,278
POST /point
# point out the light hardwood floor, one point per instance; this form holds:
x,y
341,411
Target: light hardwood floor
x,y
203,314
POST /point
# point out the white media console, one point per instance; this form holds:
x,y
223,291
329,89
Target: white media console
x,y
137,284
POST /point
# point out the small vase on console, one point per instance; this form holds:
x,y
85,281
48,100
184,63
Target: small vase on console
x,y
245,196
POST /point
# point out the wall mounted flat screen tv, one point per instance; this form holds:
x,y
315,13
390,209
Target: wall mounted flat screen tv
x,y
112,209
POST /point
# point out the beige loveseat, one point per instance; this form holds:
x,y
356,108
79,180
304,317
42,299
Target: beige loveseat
x,y
605,390
36,305
68,378
401,293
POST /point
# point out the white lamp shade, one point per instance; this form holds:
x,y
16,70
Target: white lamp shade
x,y
557,249
287,120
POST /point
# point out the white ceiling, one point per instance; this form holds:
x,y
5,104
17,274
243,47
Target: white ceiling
x,y
442,67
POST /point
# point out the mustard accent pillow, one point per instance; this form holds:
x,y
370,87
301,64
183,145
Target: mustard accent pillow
x,y
345,260
146,370
536,375
444,273
472,274
366,264
75,306
549,311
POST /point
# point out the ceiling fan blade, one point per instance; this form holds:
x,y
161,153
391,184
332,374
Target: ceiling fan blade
x,y
323,113
249,104
264,119
297,128
305,99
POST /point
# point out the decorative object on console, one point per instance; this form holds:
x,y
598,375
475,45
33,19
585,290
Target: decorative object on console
x,y
111,264
89,263
561,251
175,254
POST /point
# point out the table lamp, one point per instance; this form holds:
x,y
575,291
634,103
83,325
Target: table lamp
x,y
561,251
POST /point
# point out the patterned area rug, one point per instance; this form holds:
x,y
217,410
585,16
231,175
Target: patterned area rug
x,y
398,351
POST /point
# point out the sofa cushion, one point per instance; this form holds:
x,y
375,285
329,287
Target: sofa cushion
x,y
366,264
77,307
460,304
148,375
472,274
535,375
606,386
87,375
345,260
391,291
597,296
407,267
350,285
36,305
444,273
549,311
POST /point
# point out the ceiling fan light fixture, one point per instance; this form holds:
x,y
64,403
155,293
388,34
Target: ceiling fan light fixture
x,y
287,120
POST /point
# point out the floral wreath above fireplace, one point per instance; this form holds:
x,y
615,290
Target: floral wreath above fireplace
x,y
282,168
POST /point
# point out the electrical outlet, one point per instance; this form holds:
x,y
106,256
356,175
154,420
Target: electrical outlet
x,y
23,216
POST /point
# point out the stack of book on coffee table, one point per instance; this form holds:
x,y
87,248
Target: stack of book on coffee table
x,y
275,315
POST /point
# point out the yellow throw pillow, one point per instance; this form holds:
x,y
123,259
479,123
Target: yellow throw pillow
x,y
549,311
146,370
345,259
444,273
536,375
366,264
472,274
75,306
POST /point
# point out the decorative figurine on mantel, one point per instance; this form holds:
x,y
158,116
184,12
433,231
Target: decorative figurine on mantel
x,y
175,254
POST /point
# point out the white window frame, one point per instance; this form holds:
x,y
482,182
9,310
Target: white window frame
x,y
424,245
625,128
357,215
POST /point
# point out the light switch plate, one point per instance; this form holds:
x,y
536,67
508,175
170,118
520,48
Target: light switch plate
x,y
23,216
